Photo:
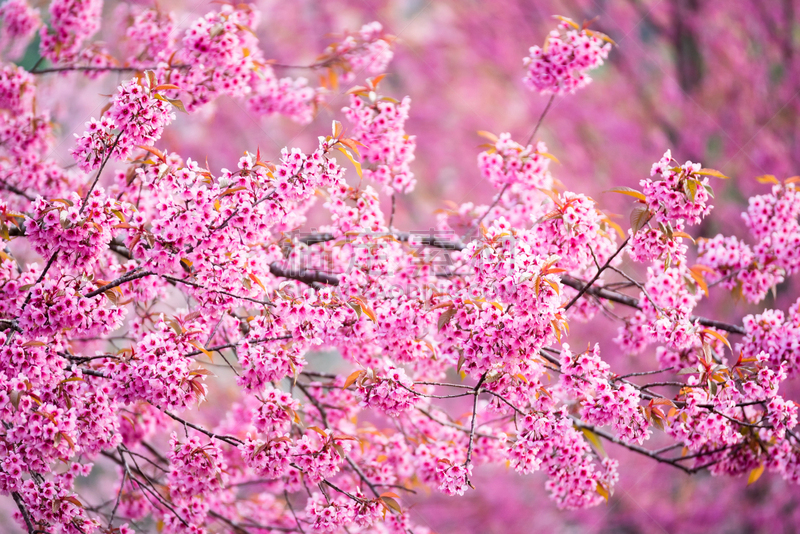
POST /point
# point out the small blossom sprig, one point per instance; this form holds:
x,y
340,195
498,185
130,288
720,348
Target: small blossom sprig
x,y
680,197
569,52
138,114
379,125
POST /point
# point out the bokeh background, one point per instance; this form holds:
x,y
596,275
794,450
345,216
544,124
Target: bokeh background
x,y
715,81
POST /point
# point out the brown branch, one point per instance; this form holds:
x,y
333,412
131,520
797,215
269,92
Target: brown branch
x,y
307,276
133,275
24,511
76,68
100,170
541,119
586,287
472,428
230,440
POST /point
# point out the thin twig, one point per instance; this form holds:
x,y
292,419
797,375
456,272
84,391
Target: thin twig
x,y
472,428
585,288
541,118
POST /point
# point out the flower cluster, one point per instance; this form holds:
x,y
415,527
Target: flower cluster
x,y
560,66
488,335
157,369
137,116
215,45
753,270
773,222
20,21
388,392
291,97
319,455
379,124
586,377
575,231
26,138
72,22
368,50
668,299
680,197
79,235
682,193
752,399
57,306
23,133
507,162
277,411
266,357
151,36
194,469
548,440
774,334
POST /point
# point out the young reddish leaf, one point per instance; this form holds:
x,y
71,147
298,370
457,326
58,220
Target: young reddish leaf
x,y
374,81
488,135
697,275
337,129
352,378
662,401
616,227
628,191
351,144
712,172
356,164
202,349
767,179
549,156
639,217
461,361
683,234
369,312
177,103
595,440
755,474
72,500
602,491
718,336
567,21
391,503
356,308
319,431
255,279
553,196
